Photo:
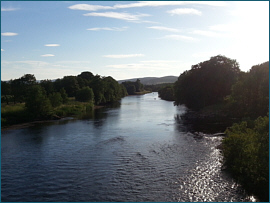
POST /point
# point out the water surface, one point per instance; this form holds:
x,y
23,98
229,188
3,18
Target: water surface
x,y
136,151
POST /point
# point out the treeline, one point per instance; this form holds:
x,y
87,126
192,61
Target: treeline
x,y
133,87
218,82
156,87
42,100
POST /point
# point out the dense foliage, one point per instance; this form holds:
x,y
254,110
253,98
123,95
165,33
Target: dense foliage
x,y
246,155
37,103
85,94
167,93
44,99
241,95
206,83
156,87
250,94
133,87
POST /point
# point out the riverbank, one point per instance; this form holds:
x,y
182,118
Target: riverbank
x,y
16,116
142,93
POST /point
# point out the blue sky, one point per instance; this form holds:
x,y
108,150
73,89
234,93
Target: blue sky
x,y
128,39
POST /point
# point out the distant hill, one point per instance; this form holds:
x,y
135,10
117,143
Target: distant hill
x,y
153,80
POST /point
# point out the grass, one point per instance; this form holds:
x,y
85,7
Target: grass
x,y
17,113
13,114
143,92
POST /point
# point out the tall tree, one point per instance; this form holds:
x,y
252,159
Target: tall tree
x,y
86,94
70,84
250,94
5,90
37,103
206,83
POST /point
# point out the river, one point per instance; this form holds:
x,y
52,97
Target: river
x,y
135,151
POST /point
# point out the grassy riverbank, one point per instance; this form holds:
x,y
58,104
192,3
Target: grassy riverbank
x,y
142,92
14,114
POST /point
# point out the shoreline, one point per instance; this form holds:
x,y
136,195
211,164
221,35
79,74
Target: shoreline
x,y
32,123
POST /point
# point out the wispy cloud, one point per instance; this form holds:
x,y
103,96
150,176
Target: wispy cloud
x,y
164,28
167,3
47,55
9,9
89,7
9,34
138,66
123,56
52,45
179,37
117,15
108,28
185,11
41,69
153,65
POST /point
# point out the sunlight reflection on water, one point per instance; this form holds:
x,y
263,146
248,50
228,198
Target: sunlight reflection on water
x,y
123,154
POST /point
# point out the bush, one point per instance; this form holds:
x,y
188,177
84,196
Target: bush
x,y
13,114
55,99
85,95
37,103
246,155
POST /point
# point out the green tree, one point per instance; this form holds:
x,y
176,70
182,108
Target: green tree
x,y
207,83
167,93
131,89
56,99
250,94
20,86
37,103
48,86
70,84
138,86
85,95
5,91
64,95
86,75
246,155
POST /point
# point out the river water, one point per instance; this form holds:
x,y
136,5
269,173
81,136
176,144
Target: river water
x,y
135,151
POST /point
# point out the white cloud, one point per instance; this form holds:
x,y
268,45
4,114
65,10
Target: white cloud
x,y
185,11
168,3
124,56
47,55
121,16
9,34
179,37
206,33
42,69
2,50
164,28
52,45
137,66
108,28
9,9
146,66
88,7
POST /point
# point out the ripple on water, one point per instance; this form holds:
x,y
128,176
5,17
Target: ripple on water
x,y
126,155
